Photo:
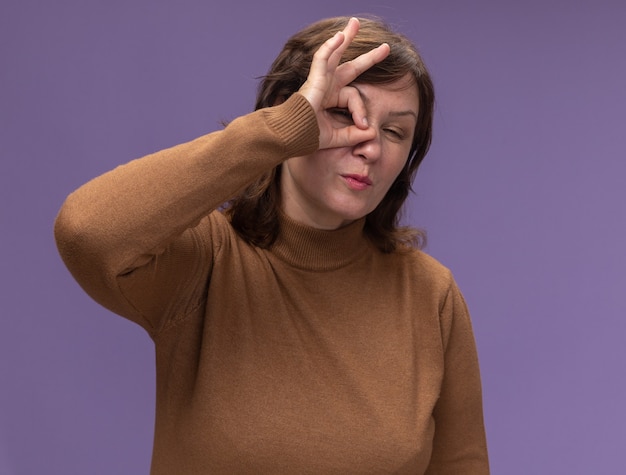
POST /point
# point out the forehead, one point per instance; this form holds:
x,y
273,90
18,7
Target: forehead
x,y
401,93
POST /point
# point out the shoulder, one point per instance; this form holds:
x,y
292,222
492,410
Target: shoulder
x,y
224,239
433,282
427,280
424,270
216,228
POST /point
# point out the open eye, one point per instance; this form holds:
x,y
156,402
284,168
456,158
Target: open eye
x,y
343,115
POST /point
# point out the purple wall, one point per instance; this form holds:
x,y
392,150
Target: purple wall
x,y
523,195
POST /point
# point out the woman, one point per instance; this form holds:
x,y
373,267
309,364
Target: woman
x,y
298,331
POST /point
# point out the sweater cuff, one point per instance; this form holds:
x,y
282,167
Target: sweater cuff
x,y
295,122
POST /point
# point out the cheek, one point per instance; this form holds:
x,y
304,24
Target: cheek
x,y
308,171
322,163
392,171
396,164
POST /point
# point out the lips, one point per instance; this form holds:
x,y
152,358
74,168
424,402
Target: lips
x,y
360,178
357,182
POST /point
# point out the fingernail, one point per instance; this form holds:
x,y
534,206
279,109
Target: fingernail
x,y
364,121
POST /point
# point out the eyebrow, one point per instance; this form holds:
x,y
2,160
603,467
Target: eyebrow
x,y
401,113
392,113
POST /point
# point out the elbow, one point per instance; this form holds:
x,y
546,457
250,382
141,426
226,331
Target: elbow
x,y
81,242
67,231
75,238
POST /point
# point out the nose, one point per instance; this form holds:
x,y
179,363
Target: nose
x,y
369,150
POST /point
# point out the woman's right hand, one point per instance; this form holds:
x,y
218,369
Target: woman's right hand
x,y
328,87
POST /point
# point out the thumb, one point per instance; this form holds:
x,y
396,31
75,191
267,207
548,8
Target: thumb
x,y
348,137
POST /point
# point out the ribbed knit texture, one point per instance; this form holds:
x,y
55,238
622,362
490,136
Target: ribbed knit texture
x,y
318,249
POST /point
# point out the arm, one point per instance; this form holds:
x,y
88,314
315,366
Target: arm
x,y
459,445
127,224
120,221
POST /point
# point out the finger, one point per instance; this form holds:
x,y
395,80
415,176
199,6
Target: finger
x,y
315,86
350,136
321,57
335,46
329,46
350,98
349,32
350,70
351,29
328,55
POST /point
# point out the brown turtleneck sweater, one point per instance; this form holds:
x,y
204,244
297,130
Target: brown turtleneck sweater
x,y
320,355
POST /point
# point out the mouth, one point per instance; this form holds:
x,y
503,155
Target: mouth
x,y
357,182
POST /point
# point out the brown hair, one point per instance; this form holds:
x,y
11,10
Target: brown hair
x,y
254,213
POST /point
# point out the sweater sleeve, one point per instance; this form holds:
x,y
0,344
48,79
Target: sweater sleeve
x,y
459,445
149,209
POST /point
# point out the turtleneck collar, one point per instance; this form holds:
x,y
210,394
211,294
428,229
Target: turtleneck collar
x,y
315,249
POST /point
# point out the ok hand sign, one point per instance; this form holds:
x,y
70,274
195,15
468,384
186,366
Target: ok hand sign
x,y
327,87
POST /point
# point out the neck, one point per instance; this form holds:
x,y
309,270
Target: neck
x,y
313,248
313,219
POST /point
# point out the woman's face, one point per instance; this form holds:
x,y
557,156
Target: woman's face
x,y
333,187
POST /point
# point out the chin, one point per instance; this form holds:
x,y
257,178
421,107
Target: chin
x,y
350,216
348,212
